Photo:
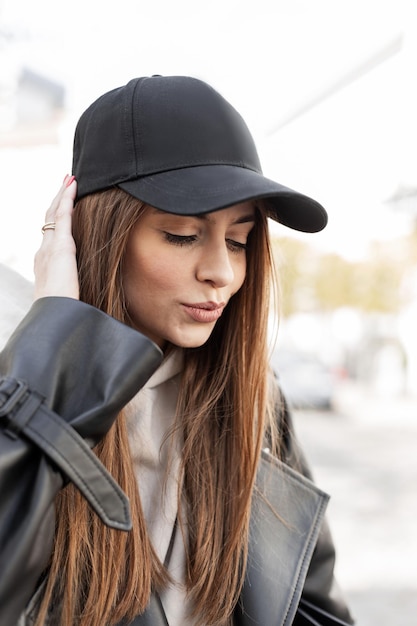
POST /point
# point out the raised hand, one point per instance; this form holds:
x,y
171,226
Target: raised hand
x,y
55,262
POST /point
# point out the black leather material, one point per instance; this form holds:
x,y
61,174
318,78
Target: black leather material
x,y
283,556
320,586
289,579
309,614
283,547
83,361
24,413
280,550
87,366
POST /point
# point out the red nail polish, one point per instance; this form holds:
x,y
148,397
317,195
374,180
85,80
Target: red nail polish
x,y
69,181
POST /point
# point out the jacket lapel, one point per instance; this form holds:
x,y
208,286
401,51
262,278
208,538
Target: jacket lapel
x,y
281,544
280,548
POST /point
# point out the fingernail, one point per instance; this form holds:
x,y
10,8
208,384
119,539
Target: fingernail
x,y
65,179
69,181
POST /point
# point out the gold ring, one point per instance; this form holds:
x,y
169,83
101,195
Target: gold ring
x,y
48,226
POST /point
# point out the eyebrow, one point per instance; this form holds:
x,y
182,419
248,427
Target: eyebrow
x,y
243,219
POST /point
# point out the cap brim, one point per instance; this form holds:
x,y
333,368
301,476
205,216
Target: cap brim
x,y
196,190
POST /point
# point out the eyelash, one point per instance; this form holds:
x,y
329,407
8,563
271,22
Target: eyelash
x,y
187,240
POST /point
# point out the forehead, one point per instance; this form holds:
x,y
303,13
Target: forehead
x,y
237,213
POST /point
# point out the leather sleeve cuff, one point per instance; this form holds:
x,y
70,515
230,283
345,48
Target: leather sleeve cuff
x,y
65,373
24,412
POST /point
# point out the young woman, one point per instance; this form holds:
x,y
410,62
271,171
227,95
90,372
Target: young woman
x,y
148,342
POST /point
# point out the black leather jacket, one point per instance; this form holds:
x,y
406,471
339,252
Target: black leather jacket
x,y
66,372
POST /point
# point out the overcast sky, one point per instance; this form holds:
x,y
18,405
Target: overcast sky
x,y
323,84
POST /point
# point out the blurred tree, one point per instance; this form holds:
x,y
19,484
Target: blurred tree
x,y
311,281
288,256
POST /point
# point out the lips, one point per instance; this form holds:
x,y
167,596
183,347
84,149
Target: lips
x,y
205,312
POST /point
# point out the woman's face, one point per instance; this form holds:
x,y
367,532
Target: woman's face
x,y
180,272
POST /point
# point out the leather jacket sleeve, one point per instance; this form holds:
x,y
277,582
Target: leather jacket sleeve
x,y
320,588
65,373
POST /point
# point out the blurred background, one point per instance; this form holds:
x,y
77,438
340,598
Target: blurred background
x,y
328,91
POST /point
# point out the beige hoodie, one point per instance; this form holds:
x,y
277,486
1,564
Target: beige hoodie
x,y
150,417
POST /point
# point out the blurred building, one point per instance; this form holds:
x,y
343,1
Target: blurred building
x,y
31,107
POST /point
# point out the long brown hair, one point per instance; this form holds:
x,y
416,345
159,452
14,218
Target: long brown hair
x,y
100,576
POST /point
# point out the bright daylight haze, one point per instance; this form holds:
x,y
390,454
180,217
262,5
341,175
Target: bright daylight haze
x,y
327,88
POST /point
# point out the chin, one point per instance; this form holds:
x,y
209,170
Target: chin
x,y
190,344
191,341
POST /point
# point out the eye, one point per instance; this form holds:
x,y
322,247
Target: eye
x,y
236,246
179,240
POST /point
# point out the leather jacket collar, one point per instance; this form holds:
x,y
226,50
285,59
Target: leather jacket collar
x,y
285,523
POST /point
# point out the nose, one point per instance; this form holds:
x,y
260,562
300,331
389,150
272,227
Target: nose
x,y
215,265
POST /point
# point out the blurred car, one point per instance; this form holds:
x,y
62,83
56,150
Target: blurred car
x,y
306,382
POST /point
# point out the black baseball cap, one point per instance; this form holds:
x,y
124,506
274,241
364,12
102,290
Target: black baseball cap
x,y
176,144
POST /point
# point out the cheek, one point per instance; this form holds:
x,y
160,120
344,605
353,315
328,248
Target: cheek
x,y
148,275
240,275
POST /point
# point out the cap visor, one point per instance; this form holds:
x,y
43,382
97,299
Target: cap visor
x,y
201,189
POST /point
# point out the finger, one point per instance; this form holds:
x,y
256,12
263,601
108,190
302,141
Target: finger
x,y
50,214
59,214
64,209
55,262
58,238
